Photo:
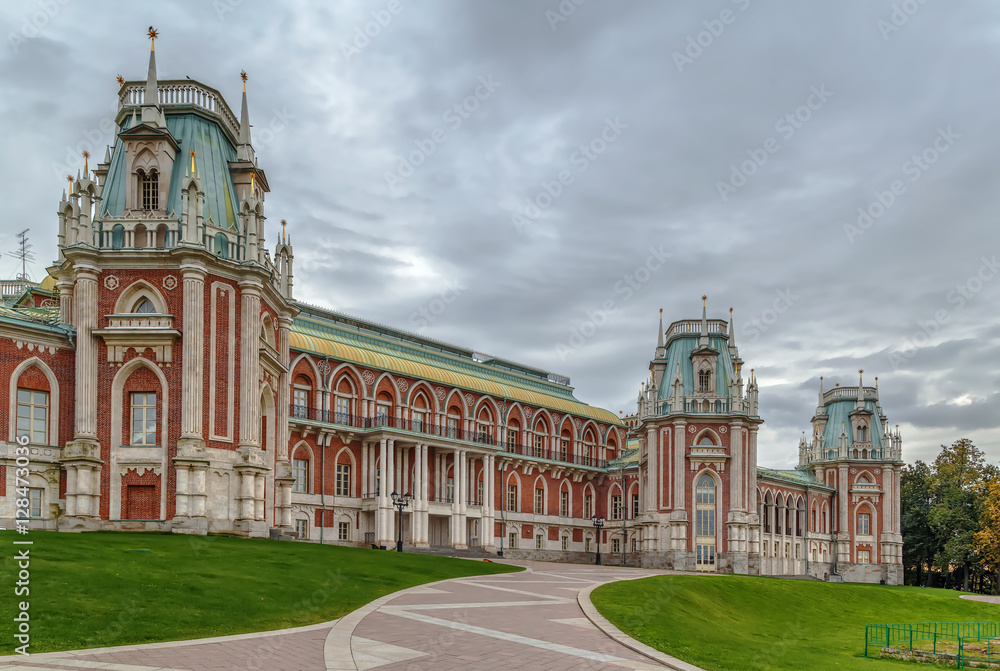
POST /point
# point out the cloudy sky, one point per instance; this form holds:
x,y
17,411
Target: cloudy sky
x,y
536,179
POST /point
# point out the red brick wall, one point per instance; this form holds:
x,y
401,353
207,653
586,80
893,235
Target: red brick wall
x,y
141,504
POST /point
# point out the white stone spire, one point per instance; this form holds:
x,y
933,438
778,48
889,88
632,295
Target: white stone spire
x,y
151,112
244,151
703,341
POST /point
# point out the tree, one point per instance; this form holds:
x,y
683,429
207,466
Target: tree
x,y
954,515
986,540
920,543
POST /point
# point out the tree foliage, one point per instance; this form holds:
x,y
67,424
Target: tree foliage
x,y
951,519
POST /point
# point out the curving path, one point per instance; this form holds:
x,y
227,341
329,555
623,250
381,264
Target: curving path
x,y
529,620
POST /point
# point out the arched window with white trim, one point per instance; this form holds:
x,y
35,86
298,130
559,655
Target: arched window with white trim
x,y
705,497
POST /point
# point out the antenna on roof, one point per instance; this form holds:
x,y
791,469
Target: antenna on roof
x,y
23,253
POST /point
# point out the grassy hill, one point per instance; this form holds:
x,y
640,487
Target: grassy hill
x,y
742,622
102,589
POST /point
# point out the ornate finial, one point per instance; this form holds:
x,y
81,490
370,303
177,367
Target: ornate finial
x,y
193,173
876,382
283,223
153,34
86,165
253,185
69,178
243,76
121,81
661,312
704,298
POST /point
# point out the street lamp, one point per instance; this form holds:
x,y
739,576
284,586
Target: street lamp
x,y
400,502
598,524
503,507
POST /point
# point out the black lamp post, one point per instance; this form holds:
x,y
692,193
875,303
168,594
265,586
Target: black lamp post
x,y
400,502
598,524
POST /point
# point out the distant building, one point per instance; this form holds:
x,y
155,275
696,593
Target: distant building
x,y
165,378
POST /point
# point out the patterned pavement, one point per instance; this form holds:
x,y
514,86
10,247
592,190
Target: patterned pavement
x,y
528,620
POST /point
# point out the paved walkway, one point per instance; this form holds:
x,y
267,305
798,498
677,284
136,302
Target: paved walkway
x,y
528,620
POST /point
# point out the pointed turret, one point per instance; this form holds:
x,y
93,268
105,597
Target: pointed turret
x,y
151,111
860,404
703,341
244,152
660,352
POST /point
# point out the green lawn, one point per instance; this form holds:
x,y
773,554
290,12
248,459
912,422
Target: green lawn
x,y
741,622
101,589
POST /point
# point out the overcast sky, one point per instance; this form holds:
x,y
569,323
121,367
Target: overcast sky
x,y
630,156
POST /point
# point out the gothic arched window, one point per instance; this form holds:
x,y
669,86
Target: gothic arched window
x,y
704,380
144,307
149,190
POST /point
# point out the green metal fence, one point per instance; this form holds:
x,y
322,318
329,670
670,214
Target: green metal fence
x,y
961,642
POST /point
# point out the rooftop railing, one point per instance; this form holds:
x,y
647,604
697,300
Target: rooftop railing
x,y
177,93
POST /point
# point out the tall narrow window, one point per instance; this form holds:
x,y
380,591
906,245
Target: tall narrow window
x,y
35,498
512,498
563,449
343,531
343,410
588,506
539,501
705,523
616,545
302,528
565,543
452,427
512,540
616,507
704,381
480,488
511,438
382,413
300,399
149,190
539,445
864,524
300,471
418,421
449,490
564,503
343,479
635,506
539,541
143,418
33,415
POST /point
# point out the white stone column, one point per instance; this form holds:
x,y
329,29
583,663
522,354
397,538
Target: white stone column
x,y
193,364
85,301
284,389
249,363
258,496
71,491
181,495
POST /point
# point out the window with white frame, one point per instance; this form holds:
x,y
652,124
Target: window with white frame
x,y
300,401
704,381
143,418
300,471
343,408
378,481
418,420
539,501
563,449
343,479
511,437
382,413
705,522
588,506
564,503
635,543
616,507
36,496
864,557
587,543
565,543
512,540
635,506
616,544
343,531
33,415
449,490
539,444
144,306
512,498
539,542
864,524
149,190
453,427
302,528
480,488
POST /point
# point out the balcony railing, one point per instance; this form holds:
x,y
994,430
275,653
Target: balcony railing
x,y
302,412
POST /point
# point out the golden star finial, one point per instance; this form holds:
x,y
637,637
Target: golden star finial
x,y
283,223
243,76
86,165
153,34
121,81
704,297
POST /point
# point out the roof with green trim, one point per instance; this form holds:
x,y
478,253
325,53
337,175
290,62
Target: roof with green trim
x,y
345,338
